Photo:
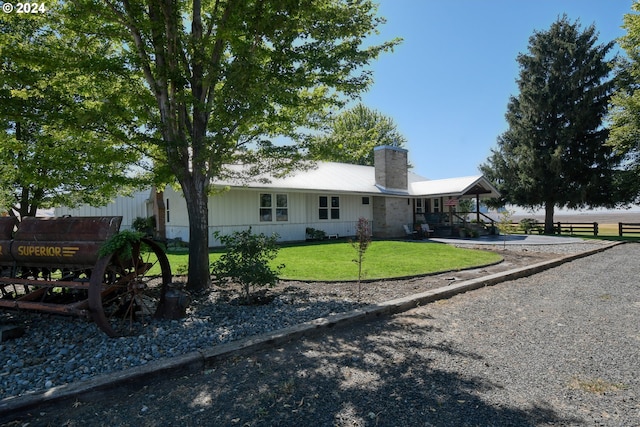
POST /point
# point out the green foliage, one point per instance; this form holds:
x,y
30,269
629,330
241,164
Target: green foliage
x,y
625,106
554,152
144,225
121,243
354,134
313,234
361,244
505,224
465,205
529,224
219,81
52,119
246,261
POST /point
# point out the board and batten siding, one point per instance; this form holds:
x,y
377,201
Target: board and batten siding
x,y
239,209
351,208
129,207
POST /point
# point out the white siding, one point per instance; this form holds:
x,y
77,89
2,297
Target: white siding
x,y
239,209
351,209
235,210
176,216
129,207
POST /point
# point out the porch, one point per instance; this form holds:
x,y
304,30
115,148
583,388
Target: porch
x,y
457,224
451,207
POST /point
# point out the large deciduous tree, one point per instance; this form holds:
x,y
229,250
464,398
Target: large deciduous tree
x,y
51,149
226,75
625,109
554,154
353,134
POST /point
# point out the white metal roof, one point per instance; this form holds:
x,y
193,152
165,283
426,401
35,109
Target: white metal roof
x,y
347,178
468,185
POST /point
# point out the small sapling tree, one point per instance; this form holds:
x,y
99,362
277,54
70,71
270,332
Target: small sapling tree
x,y
361,243
505,225
247,261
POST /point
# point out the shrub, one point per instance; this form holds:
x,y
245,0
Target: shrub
x,y
144,225
313,234
528,224
246,261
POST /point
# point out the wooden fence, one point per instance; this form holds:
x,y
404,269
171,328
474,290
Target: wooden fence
x,y
576,227
628,228
560,228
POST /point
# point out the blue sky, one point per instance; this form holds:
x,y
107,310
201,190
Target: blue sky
x,y
447,85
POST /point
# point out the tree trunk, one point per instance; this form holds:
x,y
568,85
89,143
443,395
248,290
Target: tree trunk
x,y
197,197
548,217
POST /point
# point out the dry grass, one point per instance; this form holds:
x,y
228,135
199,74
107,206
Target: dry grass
x,y
595,385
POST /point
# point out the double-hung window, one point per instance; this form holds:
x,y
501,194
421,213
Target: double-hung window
x,y
329,207
282,207
274,206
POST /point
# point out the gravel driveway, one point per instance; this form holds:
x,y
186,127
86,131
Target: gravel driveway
x,y
558,348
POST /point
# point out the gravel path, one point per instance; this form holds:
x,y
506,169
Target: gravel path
x,y
558,348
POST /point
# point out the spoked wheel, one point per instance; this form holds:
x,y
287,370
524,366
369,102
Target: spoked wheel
x,y
126,292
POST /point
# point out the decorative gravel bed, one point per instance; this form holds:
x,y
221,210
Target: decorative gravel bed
x,y
58,350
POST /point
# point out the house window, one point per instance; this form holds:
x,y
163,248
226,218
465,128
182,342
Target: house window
x,y
365,200
323,211
419,206
267,207
329,207
436,205
166,211
282,207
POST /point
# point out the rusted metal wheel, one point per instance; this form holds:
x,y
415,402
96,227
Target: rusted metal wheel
x,y
126,292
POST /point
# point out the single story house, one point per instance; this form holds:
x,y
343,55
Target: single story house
x,y
330,197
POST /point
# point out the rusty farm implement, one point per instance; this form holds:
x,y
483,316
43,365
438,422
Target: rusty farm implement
x,y
54,265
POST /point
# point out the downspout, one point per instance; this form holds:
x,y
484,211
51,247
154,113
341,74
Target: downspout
x,y
414,211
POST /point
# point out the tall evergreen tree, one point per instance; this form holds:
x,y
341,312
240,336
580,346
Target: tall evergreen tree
x,y
553,154
353,135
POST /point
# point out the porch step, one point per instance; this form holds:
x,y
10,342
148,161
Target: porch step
x,y
442,231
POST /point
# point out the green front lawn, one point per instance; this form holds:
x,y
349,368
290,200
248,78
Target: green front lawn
x,y
329,261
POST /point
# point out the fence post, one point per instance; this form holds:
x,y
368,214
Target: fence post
x,y
620,229
595,229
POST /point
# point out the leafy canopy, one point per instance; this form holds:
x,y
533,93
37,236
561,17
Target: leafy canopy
x,y
226,77
625,104
52,147
354,134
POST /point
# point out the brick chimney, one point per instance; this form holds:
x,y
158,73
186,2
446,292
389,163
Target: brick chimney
x,y
391,167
